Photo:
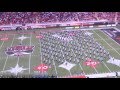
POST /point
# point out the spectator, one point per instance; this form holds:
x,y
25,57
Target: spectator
x,y
44,17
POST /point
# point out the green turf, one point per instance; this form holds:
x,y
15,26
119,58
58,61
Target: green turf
x,y
30,61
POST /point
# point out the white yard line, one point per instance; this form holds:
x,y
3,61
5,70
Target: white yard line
x,y
40,52
18,56
53,60
109,45
55,68
100,39
1,47
68,70
110,38
95,69
79,63
7,56
107,67
112,49
82,68
18,60
2,44
30,54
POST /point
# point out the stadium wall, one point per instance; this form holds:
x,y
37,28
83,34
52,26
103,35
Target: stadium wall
x,y
70,25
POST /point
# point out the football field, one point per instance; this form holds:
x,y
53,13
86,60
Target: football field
x,y
25,63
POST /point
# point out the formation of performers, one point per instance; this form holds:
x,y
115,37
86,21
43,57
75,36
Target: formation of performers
x,y
81,47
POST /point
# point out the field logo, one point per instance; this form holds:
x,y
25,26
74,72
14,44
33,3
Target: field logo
x,y
4,37
39,36
91,63
15,70
41,68
22,38
66,65
88,33
19,50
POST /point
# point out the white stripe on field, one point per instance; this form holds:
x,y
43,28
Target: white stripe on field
x,y
2,44
55,68
103,62
107,43
68,70
30,54
18,60
79,63
40,52
95,69
101,39
1,47
70,73
106,66
53,60
7,56
18,56
112,49
110,38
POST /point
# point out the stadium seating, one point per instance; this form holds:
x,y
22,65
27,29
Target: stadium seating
x,y
43,17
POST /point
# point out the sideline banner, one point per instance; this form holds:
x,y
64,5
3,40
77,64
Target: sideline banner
x,y
69,25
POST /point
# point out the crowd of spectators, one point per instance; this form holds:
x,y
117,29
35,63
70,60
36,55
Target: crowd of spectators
x,y
43,17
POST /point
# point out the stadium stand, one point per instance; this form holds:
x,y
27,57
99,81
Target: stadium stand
x,y
42,17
